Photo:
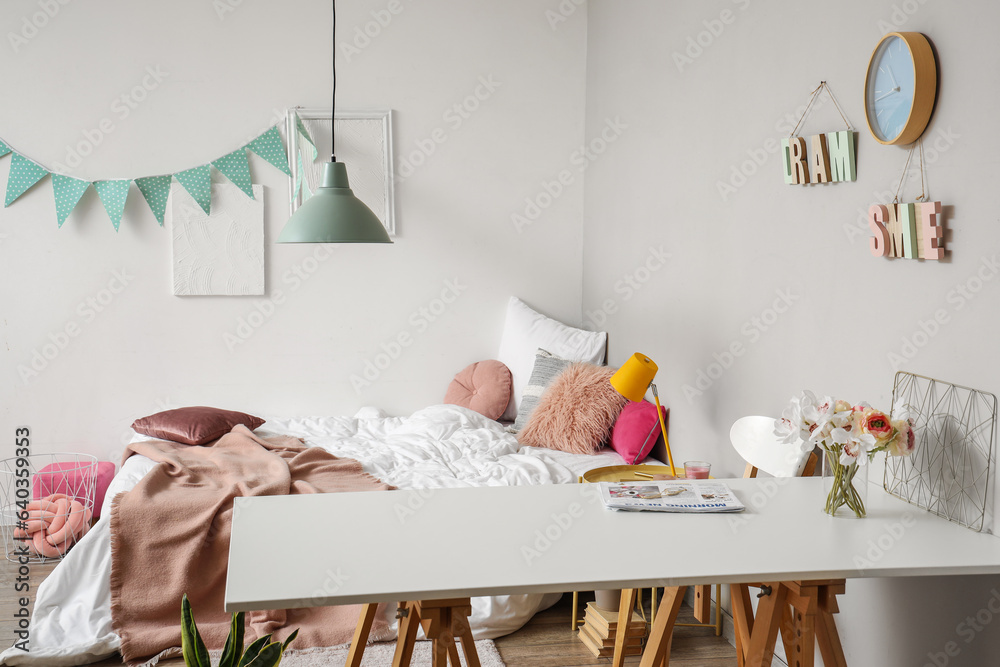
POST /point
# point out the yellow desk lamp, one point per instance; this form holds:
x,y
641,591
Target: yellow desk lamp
x,y
632,380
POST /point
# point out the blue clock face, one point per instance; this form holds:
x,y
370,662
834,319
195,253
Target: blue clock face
x,y
889,97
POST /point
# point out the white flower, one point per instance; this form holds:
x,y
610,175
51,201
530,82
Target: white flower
x,y
857,449
849,453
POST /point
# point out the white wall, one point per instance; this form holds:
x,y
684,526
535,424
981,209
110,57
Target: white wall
x,y
689,127
227,72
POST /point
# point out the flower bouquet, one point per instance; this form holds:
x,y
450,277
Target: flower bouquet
x,y
850,437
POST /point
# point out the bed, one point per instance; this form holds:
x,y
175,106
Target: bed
x,y
439,446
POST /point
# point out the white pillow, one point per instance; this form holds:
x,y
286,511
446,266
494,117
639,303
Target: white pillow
x,y
525,331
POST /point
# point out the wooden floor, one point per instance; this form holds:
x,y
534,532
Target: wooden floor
x,y
546,641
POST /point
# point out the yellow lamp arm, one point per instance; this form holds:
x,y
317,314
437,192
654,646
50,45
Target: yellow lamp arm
x,y
663,427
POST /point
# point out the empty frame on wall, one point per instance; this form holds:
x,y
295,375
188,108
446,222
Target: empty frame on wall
x,y
364,141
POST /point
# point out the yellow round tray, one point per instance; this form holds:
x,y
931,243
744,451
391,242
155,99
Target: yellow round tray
x,y
627,473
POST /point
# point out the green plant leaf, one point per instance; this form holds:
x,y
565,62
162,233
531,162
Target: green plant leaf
x,y
269,656
192,647
289,640
253,650
234,643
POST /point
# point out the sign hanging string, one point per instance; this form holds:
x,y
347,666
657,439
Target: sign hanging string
x,y
812,98
919,144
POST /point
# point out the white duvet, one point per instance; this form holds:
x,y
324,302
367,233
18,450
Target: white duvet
x,y
439,446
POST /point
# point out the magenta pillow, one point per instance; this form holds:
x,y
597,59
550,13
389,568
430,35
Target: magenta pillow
x,y
484,387
576,412
636,431
193,426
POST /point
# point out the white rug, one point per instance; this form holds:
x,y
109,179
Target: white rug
x,y
380,655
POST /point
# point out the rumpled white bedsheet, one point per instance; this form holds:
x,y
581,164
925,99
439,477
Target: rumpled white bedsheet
x,y
437,447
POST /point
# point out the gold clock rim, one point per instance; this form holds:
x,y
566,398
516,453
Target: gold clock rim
x,y
924,87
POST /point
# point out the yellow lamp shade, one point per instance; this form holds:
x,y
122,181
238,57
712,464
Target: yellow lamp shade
x,y
634,377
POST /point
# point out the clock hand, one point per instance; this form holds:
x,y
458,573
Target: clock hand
x,y
891,76
885,95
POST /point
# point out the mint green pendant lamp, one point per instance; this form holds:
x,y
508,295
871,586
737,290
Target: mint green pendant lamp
x,y
333,214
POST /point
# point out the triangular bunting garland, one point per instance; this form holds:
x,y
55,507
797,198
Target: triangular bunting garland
x,y
304,133
67,191
236,167
113,195
23,174
198,182
155,189
270,147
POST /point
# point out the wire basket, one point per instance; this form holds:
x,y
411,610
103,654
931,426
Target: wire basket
x,y
46,503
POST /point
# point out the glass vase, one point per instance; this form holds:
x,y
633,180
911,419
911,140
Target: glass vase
x,y
846,487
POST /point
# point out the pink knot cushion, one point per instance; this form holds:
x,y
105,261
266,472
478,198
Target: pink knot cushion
x,y
55,523
73,480
484,387
636,431
576,412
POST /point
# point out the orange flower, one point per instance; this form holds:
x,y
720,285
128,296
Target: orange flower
x,y
875,423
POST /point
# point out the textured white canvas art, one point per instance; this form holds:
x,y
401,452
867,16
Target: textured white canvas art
x,y
221,253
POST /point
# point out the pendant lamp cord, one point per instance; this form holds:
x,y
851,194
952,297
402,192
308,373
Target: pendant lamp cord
x,y
333,102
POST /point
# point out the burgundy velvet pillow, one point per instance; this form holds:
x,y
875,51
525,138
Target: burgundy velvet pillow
x,y
636,431
576,412
484,387
193,426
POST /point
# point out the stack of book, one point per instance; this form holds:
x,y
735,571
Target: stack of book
x,y
600,627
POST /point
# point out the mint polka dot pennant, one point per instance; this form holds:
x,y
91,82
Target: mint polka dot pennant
x,y
23,174
304,133
113,195
198,182
67,192
270,147
298,175
236,167
155,189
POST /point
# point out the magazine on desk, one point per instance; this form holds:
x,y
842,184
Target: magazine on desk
x,y
690,496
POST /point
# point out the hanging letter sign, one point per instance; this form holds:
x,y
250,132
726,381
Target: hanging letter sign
x,y
830,160
912,231
825,158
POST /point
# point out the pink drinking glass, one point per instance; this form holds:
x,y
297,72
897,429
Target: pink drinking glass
x,y
697,469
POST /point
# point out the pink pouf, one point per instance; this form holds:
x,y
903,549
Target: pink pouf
x,y
73,479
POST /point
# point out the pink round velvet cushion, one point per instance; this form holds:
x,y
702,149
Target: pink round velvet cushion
x,y
484,387
636,431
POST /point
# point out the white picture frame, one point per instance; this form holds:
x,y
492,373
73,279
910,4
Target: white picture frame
x,y
364,144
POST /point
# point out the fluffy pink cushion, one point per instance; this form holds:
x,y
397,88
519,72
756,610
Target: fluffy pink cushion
x,y
576,412
484,387
636,431
193,426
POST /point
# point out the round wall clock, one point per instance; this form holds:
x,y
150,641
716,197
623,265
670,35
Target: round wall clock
x,y
900,88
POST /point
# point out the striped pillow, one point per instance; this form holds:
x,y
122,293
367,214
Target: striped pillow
x,y
547,368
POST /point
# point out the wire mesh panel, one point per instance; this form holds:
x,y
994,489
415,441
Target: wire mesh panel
x,y
46,504
949,471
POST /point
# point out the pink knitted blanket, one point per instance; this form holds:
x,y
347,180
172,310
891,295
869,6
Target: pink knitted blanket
x,y
170,536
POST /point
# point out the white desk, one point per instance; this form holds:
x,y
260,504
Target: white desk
x,y
456,543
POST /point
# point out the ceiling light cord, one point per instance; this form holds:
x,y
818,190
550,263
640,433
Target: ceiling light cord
x,y
333,101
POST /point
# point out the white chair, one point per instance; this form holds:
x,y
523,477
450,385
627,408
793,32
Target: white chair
x,y
753,438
